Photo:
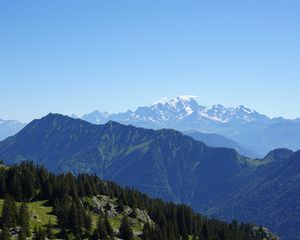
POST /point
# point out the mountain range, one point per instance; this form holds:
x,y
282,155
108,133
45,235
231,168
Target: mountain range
x,y
168,164
253,131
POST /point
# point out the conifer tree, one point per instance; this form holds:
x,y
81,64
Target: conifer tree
x,y
147,232
24,219
49,230
9,212
96,235
101,228
73,220
125,230
88,222
40,234
22,235
5,235
109,229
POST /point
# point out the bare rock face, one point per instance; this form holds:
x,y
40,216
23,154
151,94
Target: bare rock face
x,y
265,233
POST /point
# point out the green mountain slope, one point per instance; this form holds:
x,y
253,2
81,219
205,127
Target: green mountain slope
x,y
169,165
163,163
270,195
85,207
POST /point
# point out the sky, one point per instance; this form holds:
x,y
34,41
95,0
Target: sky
x,y
78,56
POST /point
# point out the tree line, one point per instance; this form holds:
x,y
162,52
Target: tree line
x,y
28,182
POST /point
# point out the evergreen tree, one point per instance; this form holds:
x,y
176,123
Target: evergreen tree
x,y
24,219
49,230
9,212
40,234
74,219
5,235
147,232
88,223
22,235
101,228
204,232
125,230
96,235
109,229
62,208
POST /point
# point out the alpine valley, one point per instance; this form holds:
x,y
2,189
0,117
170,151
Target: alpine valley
x,y
167,164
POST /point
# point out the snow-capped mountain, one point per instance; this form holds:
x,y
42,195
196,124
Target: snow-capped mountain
x,y
96,117
179,109
253,130
240,113
166,110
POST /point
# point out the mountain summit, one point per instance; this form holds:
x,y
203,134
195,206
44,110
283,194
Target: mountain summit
x,y
179,109
249,128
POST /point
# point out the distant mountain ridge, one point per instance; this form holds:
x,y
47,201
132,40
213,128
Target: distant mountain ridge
x,y
254,131
215,140
167,164
9,127
178,109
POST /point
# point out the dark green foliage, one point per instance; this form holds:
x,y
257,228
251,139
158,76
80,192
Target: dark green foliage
x,y
22,235
108,227
49,230
125,230
9,212
40,234
24,219
147,232
169,221
95,235
5,235
88,222
101,228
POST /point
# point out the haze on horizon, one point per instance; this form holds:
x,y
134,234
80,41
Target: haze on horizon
x,y
74,57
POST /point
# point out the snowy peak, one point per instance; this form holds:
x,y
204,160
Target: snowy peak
x,y
96,117
181,106
184,99
223,114
178,109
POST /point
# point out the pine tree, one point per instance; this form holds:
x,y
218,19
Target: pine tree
x,y
204,234
49,230
73,220
24,219
40,234
101,228
147,232
96,235
88,223
9,212
5,235
125,230
22,235
62,208
109,229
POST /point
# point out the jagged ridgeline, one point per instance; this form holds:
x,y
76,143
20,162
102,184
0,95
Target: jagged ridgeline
x,y
39,204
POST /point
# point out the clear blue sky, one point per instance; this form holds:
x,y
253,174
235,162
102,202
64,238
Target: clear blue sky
x,y
77,56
